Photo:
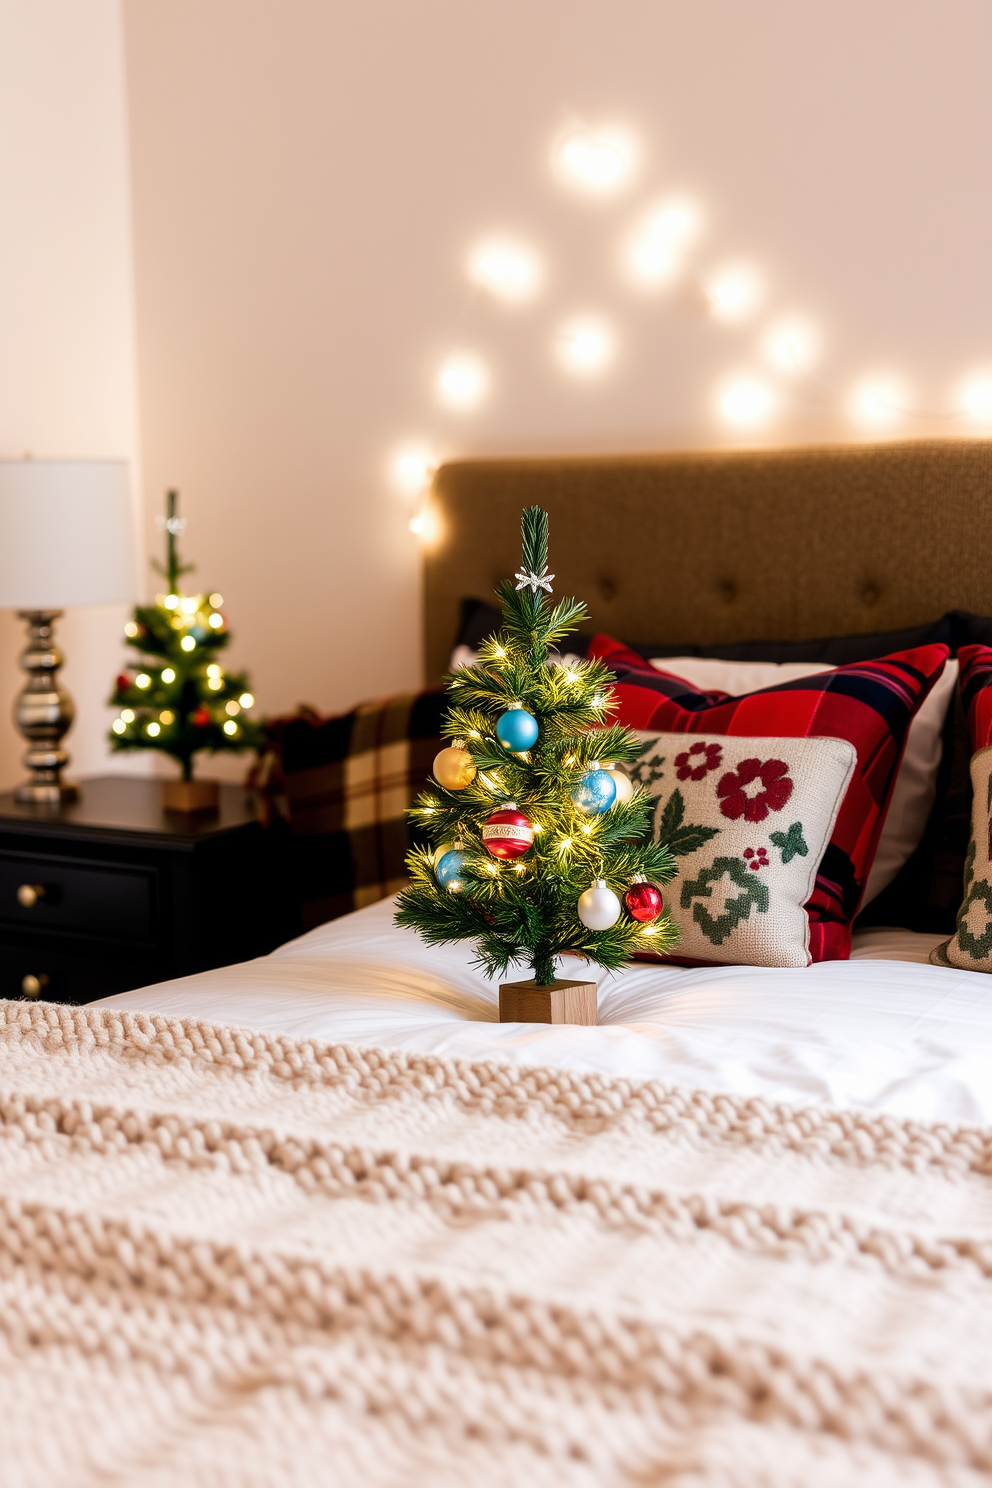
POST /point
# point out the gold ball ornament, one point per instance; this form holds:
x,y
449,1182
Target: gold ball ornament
x,y
623,783
454,767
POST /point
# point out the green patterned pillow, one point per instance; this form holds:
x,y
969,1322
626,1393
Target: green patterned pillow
x,y
748,820
970,947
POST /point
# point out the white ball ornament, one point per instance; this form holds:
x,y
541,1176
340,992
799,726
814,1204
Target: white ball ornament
x,y
622,781
599,907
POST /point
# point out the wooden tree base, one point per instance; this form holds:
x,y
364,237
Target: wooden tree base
x,y
190,795
562,1002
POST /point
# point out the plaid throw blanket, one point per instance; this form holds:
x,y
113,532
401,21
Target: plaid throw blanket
x,y
345,784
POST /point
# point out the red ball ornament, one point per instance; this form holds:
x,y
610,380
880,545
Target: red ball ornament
x,y
643,901
123,682
200,718
507,833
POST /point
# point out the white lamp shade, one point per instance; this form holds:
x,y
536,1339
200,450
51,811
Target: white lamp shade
x,y
65,534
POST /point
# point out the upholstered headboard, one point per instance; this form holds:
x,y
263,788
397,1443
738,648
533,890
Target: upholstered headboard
x,y
712,548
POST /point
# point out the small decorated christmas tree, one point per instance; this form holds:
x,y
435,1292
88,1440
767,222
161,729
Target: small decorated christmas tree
x,y
542,843
177,697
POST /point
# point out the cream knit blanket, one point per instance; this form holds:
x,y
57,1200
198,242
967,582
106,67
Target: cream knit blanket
x,y
228,1258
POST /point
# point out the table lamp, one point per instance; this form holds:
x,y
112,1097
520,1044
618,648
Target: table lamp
x,y
65,540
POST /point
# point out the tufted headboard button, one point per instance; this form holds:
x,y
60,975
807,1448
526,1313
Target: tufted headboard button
x,y
870,595
607,588
727,590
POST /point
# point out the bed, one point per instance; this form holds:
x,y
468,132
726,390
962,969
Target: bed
x,y
321,1218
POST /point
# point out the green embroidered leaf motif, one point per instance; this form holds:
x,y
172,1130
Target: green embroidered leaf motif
x,y
647,769
671,816
716,928
672,834
689,838
976,946
791,842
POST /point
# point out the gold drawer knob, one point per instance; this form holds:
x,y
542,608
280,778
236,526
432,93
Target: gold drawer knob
x,y
29,894
33,986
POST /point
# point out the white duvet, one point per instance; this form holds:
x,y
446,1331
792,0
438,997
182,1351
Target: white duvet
x,y
884,1032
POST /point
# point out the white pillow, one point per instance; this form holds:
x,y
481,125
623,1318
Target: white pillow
x,y
916,784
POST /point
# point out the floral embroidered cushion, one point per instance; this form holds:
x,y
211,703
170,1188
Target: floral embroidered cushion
x,y
871,704
748,820
970,947
915,789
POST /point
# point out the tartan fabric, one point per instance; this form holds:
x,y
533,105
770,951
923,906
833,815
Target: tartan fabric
x,y
975,682
870,703
347,782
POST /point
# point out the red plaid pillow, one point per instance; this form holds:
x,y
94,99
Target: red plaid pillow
x,y
870,703
975,682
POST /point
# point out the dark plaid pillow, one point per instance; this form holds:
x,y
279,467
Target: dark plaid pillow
x,y
347,782
976,693
870,703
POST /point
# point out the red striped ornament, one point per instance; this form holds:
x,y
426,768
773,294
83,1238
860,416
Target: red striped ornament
x,y
507,833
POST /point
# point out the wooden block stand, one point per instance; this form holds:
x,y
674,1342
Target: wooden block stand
x,y
562,1002
190,795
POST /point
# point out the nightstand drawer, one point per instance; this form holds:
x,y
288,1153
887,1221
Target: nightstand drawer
x,y
67,894
66,975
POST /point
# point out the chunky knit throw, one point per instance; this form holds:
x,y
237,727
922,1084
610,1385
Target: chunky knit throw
x,y
229,1258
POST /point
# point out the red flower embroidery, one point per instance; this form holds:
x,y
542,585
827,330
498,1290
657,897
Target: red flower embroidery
x,y
773,789
756,859
694,763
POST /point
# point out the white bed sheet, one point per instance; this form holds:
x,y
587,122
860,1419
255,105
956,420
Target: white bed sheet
x,y
877,1033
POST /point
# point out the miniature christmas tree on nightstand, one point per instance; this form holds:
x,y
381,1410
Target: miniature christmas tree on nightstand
x,y
542,844
178,698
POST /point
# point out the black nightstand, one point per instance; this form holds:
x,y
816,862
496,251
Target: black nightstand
x,y
111,892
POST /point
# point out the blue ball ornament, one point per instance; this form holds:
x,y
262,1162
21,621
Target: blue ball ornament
x,y
449,870
594,792
517,730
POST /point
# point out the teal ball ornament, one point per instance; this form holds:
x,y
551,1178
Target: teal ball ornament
x,y
517,730
594,792
449,870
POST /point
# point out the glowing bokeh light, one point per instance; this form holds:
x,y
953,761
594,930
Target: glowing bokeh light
x,y
585,345
877,402
976,400
598,162
507,270
733,293
413,468
425,524
792,345
462,382
746,402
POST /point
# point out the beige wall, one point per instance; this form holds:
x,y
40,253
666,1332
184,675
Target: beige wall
x,y
66,310
308,176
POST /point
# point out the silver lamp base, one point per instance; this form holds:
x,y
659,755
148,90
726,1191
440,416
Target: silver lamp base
x,y
44,714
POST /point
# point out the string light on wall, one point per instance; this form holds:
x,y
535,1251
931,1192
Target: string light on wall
x,y
654,252
462,382
733,293
792,346
585,346
597,162
746,402
878,402
507,270
413,468
976,400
